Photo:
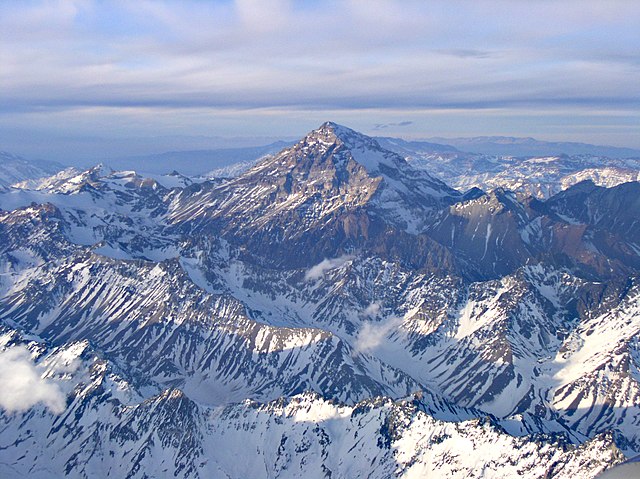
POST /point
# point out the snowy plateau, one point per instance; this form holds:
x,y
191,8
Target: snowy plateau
x,y
347,307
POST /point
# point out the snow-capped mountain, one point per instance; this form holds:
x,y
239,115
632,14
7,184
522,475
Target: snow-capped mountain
x,y
332,192
108,429
517,146
545,177
537,176
15,169
331,312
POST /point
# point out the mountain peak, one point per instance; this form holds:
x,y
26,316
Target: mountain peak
x,y
333,181
330,133
332,126
338,141
344,156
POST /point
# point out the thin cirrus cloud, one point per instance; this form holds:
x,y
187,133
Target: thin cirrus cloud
x,y
340,55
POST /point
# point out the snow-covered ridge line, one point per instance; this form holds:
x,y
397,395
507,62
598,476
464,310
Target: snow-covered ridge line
x,y
122,434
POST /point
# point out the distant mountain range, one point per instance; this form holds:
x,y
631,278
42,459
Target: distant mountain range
x,y
193,163
14,169
513,146
200,160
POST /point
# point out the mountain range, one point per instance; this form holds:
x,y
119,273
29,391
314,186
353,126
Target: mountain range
x,y
515,146
14,169
335,310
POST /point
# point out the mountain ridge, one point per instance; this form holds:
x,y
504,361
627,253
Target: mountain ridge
x,y
519,146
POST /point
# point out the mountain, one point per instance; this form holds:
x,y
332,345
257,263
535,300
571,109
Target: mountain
x,y
545,177
331,312
334,191
193,162
513,146
14,169
302,435
527,175
538,176
403,147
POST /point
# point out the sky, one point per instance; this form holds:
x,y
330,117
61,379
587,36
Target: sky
x,y
104,78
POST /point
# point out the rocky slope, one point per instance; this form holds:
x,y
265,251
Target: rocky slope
x,y
106,428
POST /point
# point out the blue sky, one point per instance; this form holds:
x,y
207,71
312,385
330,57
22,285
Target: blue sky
x,y
79,77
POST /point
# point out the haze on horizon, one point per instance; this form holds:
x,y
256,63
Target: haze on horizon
x,y
86,78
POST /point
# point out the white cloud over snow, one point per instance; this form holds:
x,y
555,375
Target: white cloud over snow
x,y
23,385
372,334
372,310
325,265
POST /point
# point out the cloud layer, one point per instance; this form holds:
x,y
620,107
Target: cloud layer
x,y
23,385
348,54
152,65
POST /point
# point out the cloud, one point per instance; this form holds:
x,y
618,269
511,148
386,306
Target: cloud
x,y
317,271
372,334
23,385
259,15
253,54
468,53
174,60
372,310
380,126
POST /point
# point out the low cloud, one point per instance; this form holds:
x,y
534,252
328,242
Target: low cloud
x,y
372,310
372,334
317,271
23,384
192,67
382,126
